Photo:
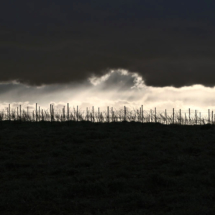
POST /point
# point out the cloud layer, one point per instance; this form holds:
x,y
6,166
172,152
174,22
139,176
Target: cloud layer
x,y
117,88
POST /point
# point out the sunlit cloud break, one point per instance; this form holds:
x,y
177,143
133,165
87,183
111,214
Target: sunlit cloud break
x,y
117,88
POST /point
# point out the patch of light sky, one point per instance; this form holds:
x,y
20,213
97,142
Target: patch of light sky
x,y
117,88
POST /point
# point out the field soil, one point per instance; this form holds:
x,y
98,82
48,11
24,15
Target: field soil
x,y
106,168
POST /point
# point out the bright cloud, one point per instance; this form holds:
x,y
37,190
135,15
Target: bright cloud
x,y
116,88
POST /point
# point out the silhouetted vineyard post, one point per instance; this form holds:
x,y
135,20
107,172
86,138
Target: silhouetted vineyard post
x,y
50,112
151,114
180,116
124,113
112,114
173,114
108,114
61,116
39,113
208,115
155,116
196,117
53,119
93,113
142,113
77,113
20,113
68,111
200,118
36,112
166,116
64,113
9,111
139,118
189,115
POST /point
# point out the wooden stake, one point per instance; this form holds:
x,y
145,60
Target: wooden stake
x,y
93,113
51,112
208,115
196,117
20,113
9,111
173,113
142,113
36,112
180,116
155,115
166,116
112,113
108,114
77,113
124,113
139,115
68,111
189,115
200,118
151,114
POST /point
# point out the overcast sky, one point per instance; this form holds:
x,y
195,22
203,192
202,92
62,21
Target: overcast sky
x,y
108,53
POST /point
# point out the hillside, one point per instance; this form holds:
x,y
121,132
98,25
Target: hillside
x,y
106,168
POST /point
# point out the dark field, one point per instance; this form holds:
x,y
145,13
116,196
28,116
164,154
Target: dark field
x,y
108,169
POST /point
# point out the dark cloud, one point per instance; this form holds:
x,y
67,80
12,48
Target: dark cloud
x,y
168,44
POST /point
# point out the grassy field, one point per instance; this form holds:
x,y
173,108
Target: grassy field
x,y
106,168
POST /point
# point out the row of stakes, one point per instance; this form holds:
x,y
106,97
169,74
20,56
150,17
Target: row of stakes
x,y
141,116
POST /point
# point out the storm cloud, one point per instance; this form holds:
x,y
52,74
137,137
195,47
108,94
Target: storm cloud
x,y
52,42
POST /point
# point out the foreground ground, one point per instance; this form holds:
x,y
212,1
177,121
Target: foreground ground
x,y
107,169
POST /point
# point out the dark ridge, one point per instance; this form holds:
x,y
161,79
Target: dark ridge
x,y
207,126
106,168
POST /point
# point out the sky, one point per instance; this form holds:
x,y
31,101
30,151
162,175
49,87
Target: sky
x,y
112,53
